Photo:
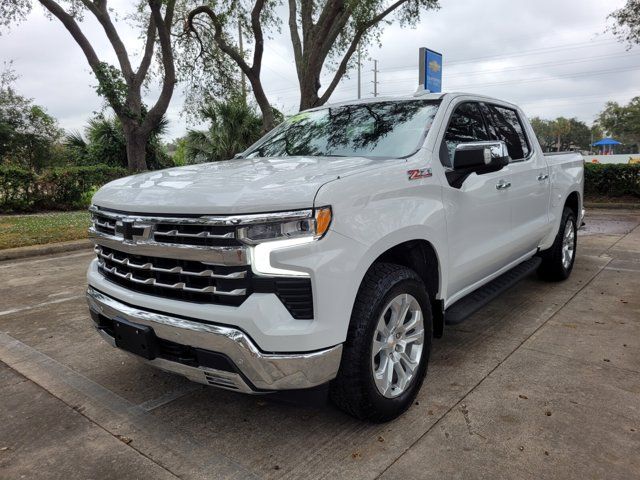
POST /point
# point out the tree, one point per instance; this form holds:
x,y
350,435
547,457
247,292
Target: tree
x,y
627,22
105,143
622,122
120,85
234,126
324,34
27,132
561,134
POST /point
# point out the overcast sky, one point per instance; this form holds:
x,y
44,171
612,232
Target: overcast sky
x,y
551,57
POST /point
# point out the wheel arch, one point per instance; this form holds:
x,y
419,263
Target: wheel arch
x,y
421,256
573,202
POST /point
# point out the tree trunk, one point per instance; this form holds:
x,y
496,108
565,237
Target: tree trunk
x,y
268,118
308,95
136,149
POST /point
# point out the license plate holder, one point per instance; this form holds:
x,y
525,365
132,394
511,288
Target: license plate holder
x,y
135,338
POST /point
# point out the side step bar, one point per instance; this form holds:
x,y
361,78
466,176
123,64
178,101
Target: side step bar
x,y
470,304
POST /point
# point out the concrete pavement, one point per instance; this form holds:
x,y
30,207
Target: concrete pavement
x,y
544,382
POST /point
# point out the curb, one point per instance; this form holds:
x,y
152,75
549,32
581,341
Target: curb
x,y
38,250
613,206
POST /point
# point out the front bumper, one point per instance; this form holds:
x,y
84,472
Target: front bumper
x,y
254,371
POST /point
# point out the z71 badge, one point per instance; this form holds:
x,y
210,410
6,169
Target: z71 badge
x,y
419,173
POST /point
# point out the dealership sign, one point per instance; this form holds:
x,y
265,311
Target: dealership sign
x,y
430,70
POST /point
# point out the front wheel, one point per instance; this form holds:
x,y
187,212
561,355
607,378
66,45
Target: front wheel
x,y
385,356
557,261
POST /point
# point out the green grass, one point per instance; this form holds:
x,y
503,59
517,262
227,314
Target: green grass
x,y
24,230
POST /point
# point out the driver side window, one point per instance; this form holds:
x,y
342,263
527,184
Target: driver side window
x,y
466,125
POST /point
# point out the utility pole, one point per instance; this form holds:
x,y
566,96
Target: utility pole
x,y
244,79
375,78
359,76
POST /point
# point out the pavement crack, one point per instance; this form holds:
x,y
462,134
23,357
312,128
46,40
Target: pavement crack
x,y
467,420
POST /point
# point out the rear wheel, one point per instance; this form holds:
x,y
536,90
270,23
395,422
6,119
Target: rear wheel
x,y
557,261
385,356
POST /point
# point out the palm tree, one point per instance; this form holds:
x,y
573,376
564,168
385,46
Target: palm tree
x,y
234,125
105,144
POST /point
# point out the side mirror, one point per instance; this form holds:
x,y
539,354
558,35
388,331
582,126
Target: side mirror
x,y
481,157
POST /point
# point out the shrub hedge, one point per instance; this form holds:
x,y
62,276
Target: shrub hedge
x,y
65,188
611,180
60,188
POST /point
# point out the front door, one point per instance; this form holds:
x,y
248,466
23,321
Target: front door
x,y
478,213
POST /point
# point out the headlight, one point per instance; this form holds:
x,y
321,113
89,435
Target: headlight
x,y
312,224
283,230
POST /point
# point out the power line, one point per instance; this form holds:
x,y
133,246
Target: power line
x,y
516,54
541,79
557,77
523,67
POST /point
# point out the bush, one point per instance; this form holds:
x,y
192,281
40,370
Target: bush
x,y
60,188
611,180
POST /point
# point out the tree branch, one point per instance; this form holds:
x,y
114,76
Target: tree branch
x,y
217,36
342,68
74,29
306,14
99,10
295,36
163,26
383,14
149,47
256,26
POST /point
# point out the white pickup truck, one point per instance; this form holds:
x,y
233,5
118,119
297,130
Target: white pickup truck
x,y
330,253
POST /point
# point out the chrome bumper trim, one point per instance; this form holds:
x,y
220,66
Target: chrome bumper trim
x,y
265,371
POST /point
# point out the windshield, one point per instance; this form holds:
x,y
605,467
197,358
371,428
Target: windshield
x,y
382,129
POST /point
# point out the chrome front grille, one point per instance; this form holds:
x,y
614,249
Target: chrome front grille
x,y
195,259
178,279
201,232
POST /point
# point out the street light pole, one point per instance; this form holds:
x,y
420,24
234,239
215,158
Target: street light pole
x,y
375,78
359,76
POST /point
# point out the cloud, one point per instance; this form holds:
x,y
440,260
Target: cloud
x,y
550,57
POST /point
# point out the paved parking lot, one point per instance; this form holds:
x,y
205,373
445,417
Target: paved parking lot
x,y
544,382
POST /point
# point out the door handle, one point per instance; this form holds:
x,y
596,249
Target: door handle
x,y
502,185
543,176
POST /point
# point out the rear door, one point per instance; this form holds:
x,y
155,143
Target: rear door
x,y
478,214
529,177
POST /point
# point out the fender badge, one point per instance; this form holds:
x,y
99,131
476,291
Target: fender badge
x,y
419,173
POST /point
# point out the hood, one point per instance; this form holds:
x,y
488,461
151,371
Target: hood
x,y
251,185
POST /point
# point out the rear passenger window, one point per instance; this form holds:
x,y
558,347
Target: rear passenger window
x,y
504,124
466,125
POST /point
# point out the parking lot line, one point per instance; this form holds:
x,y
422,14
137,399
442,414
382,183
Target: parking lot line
x,y
39,305
54,257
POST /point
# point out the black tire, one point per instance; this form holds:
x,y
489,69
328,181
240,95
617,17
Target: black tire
x,y
552,267
354,390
